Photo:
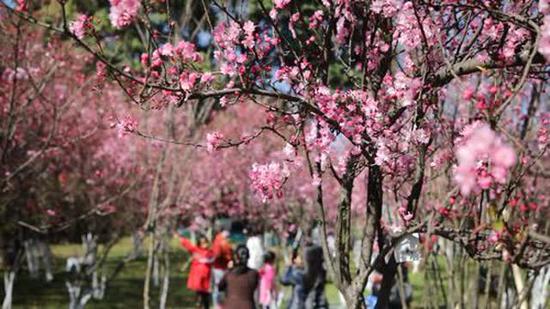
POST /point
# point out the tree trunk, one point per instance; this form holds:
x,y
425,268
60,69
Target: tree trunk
x,y
165,276
78,299
388,279
354,299
520,287
156,266
539,293
9,279
47,260
148,272
31,256
474,302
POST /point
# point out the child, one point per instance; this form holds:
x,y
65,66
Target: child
x,y
201,265
268,273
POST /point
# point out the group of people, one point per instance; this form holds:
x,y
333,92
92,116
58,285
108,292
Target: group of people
x,y
238,278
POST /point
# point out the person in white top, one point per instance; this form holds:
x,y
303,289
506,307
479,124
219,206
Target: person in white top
x,y
256,249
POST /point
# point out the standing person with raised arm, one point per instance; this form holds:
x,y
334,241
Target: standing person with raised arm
x,y
200,270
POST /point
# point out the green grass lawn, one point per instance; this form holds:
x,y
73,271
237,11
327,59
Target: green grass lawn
x,y
126,290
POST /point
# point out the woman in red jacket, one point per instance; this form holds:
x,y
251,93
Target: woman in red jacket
x,y
201,265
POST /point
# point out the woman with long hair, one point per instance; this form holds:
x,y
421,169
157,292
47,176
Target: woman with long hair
x,y
200,269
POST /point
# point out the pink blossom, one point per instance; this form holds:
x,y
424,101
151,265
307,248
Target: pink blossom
x,y
542,137
293,19
188,80
107,208
483,159
144,60
249,28
123,12
21,6
101,71
213,141
273,14
516,36
167,50
79,25
156,59
10,75
127,125
503,156
268,179
316,181
403,87
281,4
342,32
206,78
316,19
544,44
421,136
544,7
408,31
494,236
406,215
388,8
506,256
187,51
468,93
289,151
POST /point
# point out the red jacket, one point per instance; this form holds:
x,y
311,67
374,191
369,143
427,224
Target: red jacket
x,y
199,272
222,251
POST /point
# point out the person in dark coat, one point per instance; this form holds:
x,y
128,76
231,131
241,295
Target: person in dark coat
x,y
307,277
240,282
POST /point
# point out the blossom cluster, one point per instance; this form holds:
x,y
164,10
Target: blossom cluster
x,y
544,44
232,59
123,12
176,60
268,179
128,124
483,159
213,141
80,26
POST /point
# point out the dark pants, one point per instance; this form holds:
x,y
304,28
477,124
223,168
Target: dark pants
x,y
204,300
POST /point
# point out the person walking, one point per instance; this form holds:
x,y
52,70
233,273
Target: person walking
x,y
200,269
240,282
268,273
307,277
223,252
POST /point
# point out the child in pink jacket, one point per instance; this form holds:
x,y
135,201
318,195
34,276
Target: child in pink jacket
x,y
268,275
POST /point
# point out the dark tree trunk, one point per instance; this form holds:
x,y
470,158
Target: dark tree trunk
x,y
389,271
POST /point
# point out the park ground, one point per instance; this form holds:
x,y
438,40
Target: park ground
x,y
125,291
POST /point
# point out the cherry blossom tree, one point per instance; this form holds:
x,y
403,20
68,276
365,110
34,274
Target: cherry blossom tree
x,y
436,108
64,168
